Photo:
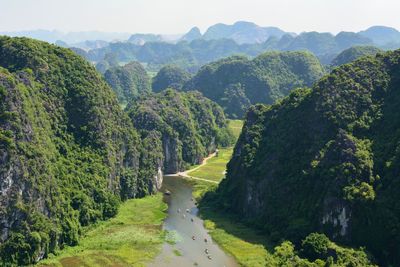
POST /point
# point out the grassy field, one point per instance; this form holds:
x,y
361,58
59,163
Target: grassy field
x,y
236,127
132,238
246,245
215,168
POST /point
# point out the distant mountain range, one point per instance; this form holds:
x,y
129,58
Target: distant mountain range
x,y
194,49
70,37
241,32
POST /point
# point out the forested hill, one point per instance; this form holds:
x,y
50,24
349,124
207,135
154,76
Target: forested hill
x,y
354,53
128,81
326,160
187,126
237,82
68,153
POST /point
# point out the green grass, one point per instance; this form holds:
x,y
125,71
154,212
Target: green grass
x,y
177,252
215,168
132,238
236,127
246,245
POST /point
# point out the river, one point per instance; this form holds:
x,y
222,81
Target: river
x,y
184,224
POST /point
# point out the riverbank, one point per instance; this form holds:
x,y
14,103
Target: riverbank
x,y
246,245
133,238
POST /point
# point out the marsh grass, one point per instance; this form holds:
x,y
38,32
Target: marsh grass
x,y
132,238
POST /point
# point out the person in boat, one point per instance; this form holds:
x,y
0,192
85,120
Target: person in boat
x,y
187,210
209,257
206,251
194,238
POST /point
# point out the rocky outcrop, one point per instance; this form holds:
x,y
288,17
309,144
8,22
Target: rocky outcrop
x,y
190,126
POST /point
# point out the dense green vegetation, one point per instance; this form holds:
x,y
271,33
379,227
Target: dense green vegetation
x,y
236,82
126,240
170,77
128,81
188,126
252,247
69,154
354,53
324,160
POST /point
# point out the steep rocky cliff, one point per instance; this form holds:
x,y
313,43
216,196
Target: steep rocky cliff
x,y
68,153
325,159
190,125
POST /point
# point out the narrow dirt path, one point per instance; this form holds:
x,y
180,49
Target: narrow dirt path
x,y
186,173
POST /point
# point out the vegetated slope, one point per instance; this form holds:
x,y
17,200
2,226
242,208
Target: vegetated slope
x,y
237,82
325,160
188,125
68,152
170,77
354,53
128,81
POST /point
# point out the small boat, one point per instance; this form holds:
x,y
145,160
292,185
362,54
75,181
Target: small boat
x,y
209,257
187,210
206,250
193,238
167,193
191,219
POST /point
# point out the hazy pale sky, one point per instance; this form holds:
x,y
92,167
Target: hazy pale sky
x,y
178,16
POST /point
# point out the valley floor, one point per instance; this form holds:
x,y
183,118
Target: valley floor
x,y
132,238
246,245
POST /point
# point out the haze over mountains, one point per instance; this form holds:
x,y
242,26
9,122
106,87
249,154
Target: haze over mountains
x,y
242,32
90,120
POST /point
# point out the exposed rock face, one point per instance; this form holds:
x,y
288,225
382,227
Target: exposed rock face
x,y
337,215
172,154
190,126
325,160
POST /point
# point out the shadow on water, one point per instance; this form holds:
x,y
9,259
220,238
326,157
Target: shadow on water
x,y
232,225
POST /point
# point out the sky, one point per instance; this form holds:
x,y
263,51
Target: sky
x,y
178,16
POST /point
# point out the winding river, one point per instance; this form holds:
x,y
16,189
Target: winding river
x,y
193,246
